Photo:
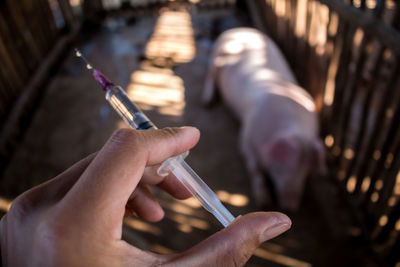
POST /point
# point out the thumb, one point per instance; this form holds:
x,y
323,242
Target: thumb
x,y
234,245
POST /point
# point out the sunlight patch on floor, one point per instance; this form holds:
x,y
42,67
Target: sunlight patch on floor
x,y
172,37
5,204
237,200
178,207
142,226
158,88
157,248
192,222
279,258
159,91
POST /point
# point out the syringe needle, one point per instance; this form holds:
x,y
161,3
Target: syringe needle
x,y
79,54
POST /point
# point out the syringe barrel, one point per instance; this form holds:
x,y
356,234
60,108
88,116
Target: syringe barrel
x,y
118,99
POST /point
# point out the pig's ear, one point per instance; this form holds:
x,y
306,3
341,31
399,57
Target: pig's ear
x,y
319,155
282,150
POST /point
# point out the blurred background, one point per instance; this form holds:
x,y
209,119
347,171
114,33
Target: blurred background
x,y
344,52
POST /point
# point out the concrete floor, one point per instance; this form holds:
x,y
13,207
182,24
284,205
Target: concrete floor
x,y
73,120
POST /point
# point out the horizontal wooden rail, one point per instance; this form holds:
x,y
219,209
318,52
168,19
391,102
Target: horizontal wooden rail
x,y
389,36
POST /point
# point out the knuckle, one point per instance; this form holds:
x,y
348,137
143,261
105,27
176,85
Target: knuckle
x,y
125,137
238,257
20,208
170,133
57,225
140,141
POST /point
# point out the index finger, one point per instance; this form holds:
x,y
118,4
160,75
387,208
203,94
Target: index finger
x,y
169,183
105,186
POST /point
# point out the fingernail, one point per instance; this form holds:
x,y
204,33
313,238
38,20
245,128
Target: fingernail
x,y
274,231
186,127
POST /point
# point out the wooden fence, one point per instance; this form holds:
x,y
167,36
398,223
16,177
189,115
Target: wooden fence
x,y
138,4
33,34
347,53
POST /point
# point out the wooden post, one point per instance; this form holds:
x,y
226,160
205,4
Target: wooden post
x,y
92,10
68,14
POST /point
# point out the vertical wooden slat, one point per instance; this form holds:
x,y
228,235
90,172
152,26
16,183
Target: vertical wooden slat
x,y
351,90
45,23
393,256
41,28
333,67
396,19
291,37
10,71
300,28
9,40
393,131
274,25
382,208
9,83
27,8
18,43
346,32
48,20
365,114
29,49
67,12
393,217
321,56
286,27
301,32
11,57
92,9
376,133
311,42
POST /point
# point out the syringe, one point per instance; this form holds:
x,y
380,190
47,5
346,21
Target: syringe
x,y
118,99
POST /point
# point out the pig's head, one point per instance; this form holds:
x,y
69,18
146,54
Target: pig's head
x,y
290,159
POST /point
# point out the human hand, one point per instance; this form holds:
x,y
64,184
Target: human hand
x,y
76,218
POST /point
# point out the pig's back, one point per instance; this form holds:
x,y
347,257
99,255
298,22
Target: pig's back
x,y
245,77
242,90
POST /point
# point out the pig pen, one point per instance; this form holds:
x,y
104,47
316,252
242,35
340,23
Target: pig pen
x,y
135,48
347,54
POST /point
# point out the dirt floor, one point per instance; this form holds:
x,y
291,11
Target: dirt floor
x,y
73,120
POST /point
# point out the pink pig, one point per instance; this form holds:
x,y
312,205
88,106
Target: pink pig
x,y
279,124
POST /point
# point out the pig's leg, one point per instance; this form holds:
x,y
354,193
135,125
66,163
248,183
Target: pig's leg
x,y
320,158
257,180
209,95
